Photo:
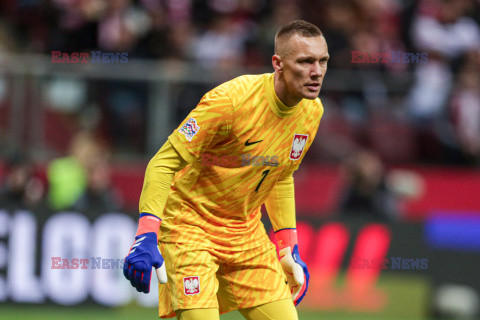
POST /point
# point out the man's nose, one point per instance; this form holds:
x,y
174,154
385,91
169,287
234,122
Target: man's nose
x,y
316,70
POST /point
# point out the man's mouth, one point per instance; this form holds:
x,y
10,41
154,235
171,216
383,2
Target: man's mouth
x,y
314,86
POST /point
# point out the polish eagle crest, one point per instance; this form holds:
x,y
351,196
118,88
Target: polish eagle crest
x,y
298,145
191,285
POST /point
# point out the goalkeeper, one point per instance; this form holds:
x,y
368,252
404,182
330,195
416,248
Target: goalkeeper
x,y
204,188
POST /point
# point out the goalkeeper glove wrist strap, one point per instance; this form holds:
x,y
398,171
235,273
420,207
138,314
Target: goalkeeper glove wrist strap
x,y
148,223
286,238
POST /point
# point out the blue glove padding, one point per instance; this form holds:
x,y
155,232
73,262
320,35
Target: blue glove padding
x,y
296,271
297,259
143,255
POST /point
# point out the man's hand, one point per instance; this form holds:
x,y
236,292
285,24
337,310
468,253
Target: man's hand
x,y
295,269
144,254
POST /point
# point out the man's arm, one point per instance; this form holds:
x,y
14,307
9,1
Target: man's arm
x,y
280,205
158,178
209,123
144,252
281,211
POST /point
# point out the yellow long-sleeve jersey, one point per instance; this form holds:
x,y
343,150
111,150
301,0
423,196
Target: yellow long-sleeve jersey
x,y
238,143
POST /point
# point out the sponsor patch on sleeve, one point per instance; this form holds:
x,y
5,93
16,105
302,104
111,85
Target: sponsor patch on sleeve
x,y
190,129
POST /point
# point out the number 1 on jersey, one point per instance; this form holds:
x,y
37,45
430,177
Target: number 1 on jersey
x,y
264,173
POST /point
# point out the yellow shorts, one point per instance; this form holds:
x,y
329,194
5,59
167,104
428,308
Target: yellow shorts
x,y
200,278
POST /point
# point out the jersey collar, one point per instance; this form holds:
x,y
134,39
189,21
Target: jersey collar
x,y
277,106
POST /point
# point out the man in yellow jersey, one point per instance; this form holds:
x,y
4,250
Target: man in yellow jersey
x,y
203,191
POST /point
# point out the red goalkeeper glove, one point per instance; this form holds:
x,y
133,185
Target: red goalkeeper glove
x,y
295,269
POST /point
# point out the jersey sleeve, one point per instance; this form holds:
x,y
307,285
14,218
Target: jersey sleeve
x,y
280,205
158,177
208,124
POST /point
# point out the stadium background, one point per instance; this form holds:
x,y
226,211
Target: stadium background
x,y
393,173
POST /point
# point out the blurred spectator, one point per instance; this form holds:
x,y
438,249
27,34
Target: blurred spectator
x,y
442,29
122,26
67,176
7,40
20,187
124,108
466,112
157,42
99,196
339,21
282,13
179,39
74,24
220,46
366,193
372,192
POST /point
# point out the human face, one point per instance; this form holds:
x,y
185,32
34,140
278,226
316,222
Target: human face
x,y
300,72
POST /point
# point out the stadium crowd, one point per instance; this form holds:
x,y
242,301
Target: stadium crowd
x,y
404,111
435,118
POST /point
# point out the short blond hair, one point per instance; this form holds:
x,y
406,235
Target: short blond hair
x,y
300,27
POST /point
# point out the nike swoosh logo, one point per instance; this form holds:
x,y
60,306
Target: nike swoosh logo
x,y
248,143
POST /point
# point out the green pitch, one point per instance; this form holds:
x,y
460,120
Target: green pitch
x,y
15,312
403,290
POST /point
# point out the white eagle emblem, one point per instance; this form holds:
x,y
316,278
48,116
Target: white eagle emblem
x,y
298,144
191,285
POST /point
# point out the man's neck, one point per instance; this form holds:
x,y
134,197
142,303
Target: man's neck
x,y
282,92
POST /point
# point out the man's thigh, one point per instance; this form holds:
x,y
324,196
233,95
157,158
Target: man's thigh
x,y
192,283
198,314
255,278
251,278
277,310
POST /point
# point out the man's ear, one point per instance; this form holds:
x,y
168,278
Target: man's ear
x,y
277,63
